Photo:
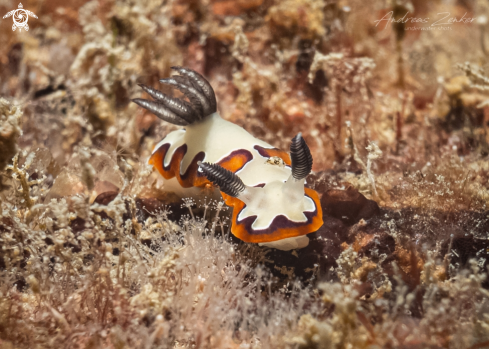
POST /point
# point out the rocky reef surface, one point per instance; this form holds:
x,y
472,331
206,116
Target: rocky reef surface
x,y
392,99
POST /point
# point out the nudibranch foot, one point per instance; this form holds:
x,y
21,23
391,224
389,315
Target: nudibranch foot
x,y
288,244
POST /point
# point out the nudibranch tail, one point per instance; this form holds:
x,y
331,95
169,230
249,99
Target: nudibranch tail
x,y
228,182
301,157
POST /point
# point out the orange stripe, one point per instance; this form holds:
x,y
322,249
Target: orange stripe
x,y
191,178
268,153
236,160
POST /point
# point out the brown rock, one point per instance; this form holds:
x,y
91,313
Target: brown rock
x,y
234,7
106,198
348,205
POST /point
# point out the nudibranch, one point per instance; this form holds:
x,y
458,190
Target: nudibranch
x,y
264,185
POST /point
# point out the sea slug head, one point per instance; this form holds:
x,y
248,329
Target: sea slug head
x,y
277,210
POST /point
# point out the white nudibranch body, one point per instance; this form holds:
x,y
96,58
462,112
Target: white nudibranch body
x,y
275,199
264,185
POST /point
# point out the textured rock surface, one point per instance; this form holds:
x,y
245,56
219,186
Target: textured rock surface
x,y
96,253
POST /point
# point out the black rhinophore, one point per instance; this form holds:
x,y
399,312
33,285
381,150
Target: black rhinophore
x,y
176,110
228,182
301,157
